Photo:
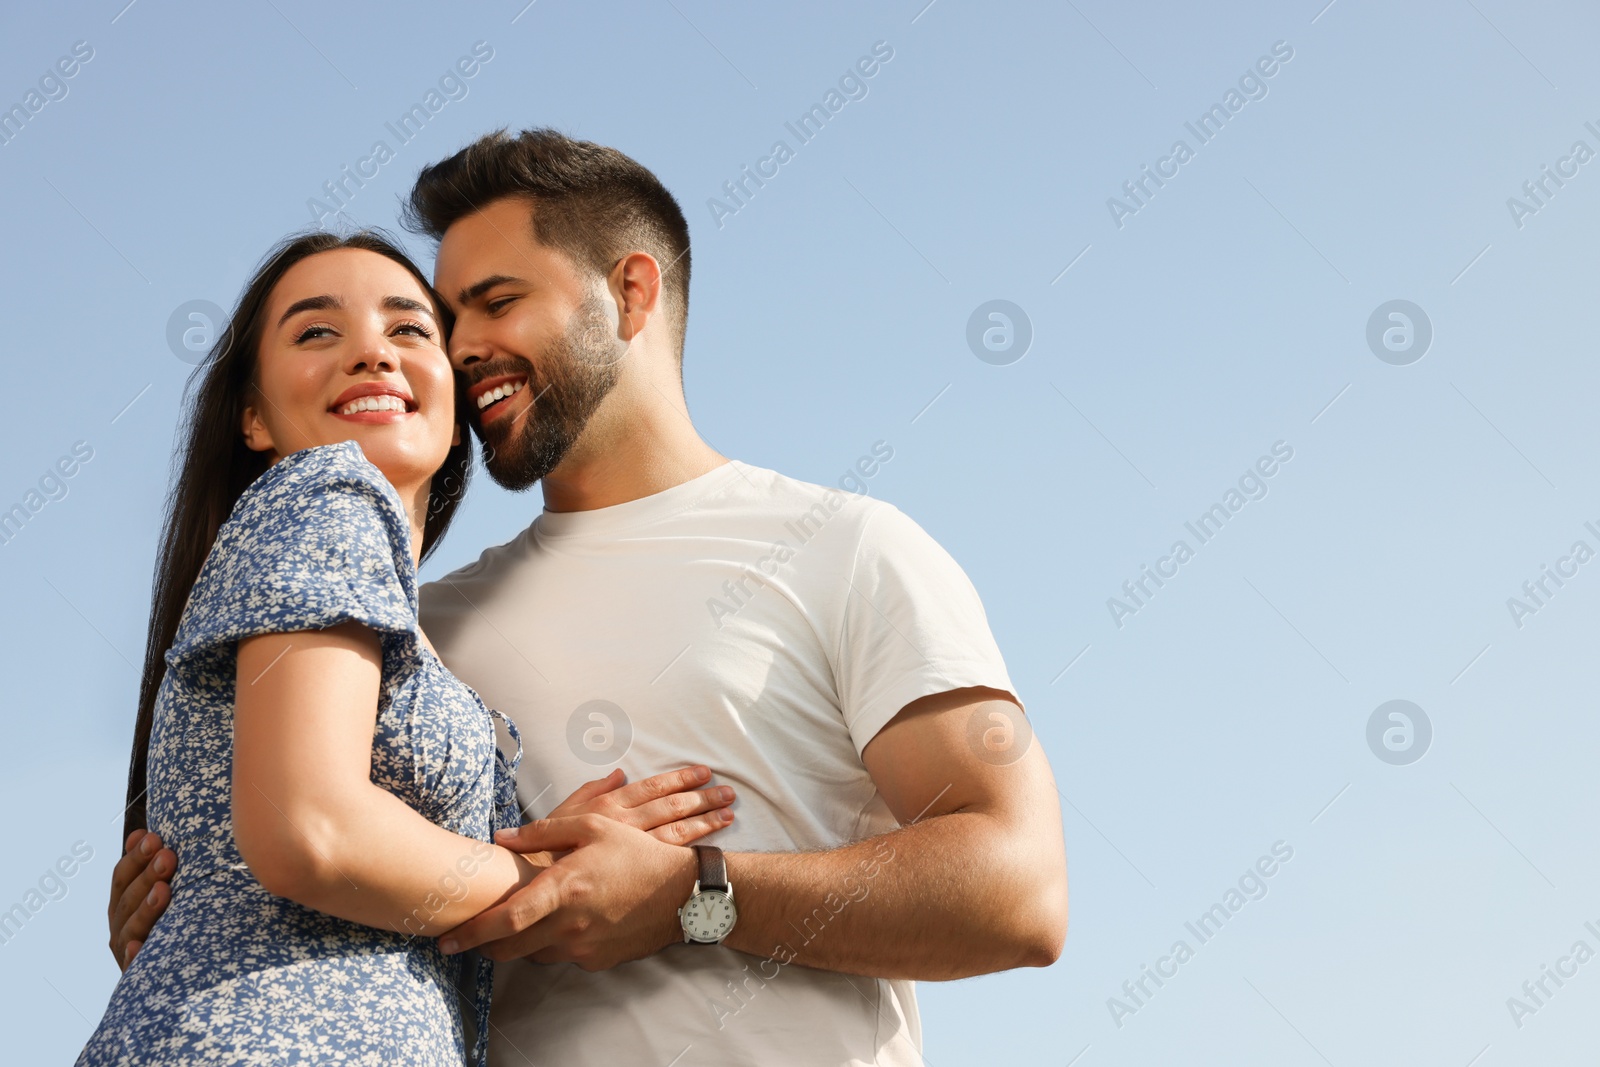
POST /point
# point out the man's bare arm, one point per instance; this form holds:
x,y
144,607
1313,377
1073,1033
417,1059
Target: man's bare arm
x,y
670,806
974,882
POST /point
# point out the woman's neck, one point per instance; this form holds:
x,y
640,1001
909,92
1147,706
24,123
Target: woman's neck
x,y
416,498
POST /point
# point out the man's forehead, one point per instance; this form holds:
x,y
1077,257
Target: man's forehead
x,y
476,240
487,244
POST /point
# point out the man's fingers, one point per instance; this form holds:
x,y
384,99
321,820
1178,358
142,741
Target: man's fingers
x,y
536,939
588,791
133,862
132,927
679,806
143,899
146,872
554,834
510,917
693,828
660,785
144,917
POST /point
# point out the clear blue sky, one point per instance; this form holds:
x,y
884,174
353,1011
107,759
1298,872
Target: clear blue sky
x,y
1175,340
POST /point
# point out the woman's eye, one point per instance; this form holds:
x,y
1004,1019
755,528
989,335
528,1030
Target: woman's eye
x,y
313,332
416,329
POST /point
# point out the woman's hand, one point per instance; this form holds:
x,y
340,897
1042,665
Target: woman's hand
x,y
671,807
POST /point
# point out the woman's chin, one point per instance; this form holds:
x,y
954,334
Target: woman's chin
x,y
407,464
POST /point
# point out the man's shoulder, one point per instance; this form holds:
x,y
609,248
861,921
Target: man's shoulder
x,y
846,505
448,587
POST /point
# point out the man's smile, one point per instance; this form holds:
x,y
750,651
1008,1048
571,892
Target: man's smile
x,y
490,396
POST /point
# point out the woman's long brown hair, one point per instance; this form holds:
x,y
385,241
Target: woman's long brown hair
x,y
214,467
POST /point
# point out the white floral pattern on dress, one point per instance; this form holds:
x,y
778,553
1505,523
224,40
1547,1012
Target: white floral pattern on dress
x,y
230,973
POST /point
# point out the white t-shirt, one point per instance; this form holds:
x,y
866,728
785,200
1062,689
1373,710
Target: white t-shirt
x,y
762,626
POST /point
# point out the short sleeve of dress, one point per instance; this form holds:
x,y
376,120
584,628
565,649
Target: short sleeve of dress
x,y
321,538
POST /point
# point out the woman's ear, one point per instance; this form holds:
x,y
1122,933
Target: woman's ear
x,y
455,436
257,437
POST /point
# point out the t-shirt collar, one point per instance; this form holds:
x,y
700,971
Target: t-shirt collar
x,y
600,522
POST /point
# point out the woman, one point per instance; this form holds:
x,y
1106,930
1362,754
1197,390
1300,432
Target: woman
x,y
330,789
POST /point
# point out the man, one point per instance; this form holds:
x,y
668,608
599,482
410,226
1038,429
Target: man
x,y
670,606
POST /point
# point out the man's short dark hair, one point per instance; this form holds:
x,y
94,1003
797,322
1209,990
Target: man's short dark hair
x,y
591,202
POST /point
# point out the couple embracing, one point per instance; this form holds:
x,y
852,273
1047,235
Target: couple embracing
x,y
329,856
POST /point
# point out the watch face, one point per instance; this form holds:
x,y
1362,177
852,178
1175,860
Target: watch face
x,y
709,915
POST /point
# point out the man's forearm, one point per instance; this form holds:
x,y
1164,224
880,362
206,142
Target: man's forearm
x,y
951,896
974,885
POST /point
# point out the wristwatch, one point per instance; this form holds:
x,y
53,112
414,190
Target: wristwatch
x,y
709,914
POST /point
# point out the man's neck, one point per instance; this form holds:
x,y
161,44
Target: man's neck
x,y
623,457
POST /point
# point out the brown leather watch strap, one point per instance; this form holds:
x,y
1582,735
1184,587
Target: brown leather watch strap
x,y
713,868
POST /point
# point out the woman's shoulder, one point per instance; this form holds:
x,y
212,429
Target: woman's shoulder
x,y
319,538
317,501
313,478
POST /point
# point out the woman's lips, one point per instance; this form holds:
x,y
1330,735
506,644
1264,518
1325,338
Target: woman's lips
x,y
373,402
374,417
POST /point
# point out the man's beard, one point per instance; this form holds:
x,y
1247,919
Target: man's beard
x,y
578,372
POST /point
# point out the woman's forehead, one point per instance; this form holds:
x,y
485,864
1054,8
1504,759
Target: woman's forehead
x,y
350,273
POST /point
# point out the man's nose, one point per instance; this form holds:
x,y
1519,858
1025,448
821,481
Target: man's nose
x,y
466,346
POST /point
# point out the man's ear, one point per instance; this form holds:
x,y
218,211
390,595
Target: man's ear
x,y
257,437
635,285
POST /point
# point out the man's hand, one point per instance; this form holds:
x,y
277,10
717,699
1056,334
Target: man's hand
x,y
612,899
139,893
670,806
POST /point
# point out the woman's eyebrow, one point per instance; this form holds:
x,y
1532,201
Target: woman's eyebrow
x,y
405,303
325,302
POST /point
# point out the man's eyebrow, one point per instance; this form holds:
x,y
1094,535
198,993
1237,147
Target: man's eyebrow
x,y
312,303
405,303
472,292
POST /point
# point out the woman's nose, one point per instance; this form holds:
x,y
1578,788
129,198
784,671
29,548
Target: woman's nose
x,y
371,351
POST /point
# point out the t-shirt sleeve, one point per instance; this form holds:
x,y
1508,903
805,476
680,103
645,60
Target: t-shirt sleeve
x,y
913,626
317,543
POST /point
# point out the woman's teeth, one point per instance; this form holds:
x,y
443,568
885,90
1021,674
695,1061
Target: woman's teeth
x,y
500,392
373,403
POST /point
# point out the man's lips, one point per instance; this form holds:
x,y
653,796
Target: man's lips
x,y
494,398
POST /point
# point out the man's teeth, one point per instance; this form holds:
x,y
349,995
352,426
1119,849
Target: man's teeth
x,y
500,392
382,402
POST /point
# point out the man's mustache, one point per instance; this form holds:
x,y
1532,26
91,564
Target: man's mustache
x,y
512,365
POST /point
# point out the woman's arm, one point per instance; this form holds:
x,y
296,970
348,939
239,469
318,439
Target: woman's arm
x,y
307,818
670,806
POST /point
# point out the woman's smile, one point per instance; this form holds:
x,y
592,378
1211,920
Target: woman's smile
x,y
374,402
356,352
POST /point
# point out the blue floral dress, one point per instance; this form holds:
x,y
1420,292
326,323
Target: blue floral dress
x,y
231,974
